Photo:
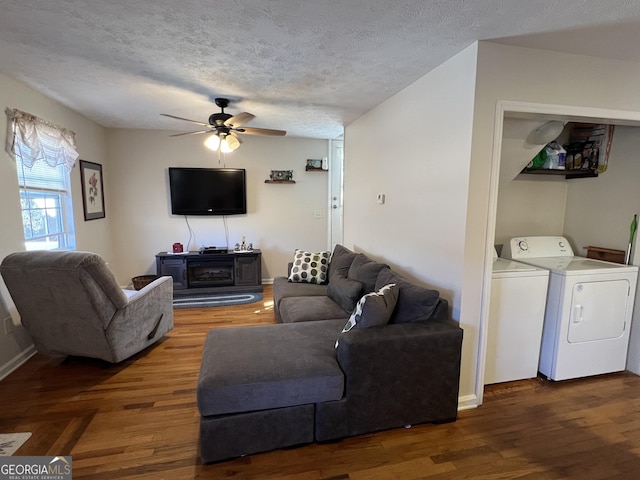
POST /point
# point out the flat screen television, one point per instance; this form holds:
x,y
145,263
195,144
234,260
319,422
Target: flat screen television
x,y
208,191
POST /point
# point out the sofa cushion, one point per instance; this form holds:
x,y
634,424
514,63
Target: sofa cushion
x,y
365,271
341,260
374,308
414,302
305,309
269,366
310,267
344,291
283,288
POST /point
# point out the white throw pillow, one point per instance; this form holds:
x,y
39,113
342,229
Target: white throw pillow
x,y
310,267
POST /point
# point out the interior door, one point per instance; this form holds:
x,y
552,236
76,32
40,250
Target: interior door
x,y
335,192
598,310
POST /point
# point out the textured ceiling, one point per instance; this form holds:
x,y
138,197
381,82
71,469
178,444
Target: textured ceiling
x,y
308,67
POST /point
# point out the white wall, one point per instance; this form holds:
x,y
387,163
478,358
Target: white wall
x,y
530,205
415,148
94,235
279,219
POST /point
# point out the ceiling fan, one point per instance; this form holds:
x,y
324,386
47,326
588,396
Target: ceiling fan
x,y
225,128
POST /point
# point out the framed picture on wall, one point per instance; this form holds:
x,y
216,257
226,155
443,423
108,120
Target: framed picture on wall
x,y
92,191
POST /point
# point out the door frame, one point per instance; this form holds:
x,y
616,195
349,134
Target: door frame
x,y
506,108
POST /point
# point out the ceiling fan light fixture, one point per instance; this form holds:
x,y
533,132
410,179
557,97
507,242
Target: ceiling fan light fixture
x,y
231,142
546,132
212,142
224,128
226,144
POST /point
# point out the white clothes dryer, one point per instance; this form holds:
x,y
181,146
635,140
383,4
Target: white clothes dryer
x,y
516,315
589,308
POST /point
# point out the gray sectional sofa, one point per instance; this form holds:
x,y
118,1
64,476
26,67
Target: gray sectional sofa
x,y
305,379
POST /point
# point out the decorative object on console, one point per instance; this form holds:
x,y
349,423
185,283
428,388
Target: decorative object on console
x,y
224,128
177,248
244,247
310,267
92,191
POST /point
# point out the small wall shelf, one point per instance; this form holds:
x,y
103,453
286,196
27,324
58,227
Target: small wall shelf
x,y
568,174
279,181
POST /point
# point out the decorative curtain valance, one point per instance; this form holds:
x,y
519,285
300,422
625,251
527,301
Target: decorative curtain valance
x,y
35,139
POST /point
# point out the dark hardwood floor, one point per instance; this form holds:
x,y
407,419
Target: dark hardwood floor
x,y
138,420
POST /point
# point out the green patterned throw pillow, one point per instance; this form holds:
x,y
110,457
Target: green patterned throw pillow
x,y
310,267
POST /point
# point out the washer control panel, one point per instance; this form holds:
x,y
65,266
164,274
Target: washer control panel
x,y
536,247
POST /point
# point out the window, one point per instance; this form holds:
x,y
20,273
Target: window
x,y
47,209
44,156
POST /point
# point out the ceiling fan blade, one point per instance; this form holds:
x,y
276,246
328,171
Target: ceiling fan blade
x,y
239,119
185,119
191,133
262,131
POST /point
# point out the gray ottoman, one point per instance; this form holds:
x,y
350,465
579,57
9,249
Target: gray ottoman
x,y
258,386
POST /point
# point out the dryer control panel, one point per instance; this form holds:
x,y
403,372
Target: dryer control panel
x,y
536,247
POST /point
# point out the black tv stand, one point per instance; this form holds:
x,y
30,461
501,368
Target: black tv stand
x,y
220,272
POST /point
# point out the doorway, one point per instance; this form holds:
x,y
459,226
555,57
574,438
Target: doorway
x,y
336,173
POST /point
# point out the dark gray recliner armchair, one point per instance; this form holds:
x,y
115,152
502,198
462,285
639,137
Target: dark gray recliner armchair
x,y
71,304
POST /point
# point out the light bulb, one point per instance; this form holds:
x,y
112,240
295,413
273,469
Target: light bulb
x,y
224,146
213,142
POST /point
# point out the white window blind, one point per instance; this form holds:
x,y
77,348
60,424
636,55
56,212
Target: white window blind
x,y
42,176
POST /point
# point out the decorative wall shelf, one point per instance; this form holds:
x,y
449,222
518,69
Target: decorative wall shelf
x,y
279,181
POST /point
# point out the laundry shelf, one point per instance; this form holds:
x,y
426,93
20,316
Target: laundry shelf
x,y
568,174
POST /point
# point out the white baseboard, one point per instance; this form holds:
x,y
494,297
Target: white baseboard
x,y
267,281
16,361
467,402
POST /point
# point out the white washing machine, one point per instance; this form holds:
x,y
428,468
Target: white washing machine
x,y
589,308
516,315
